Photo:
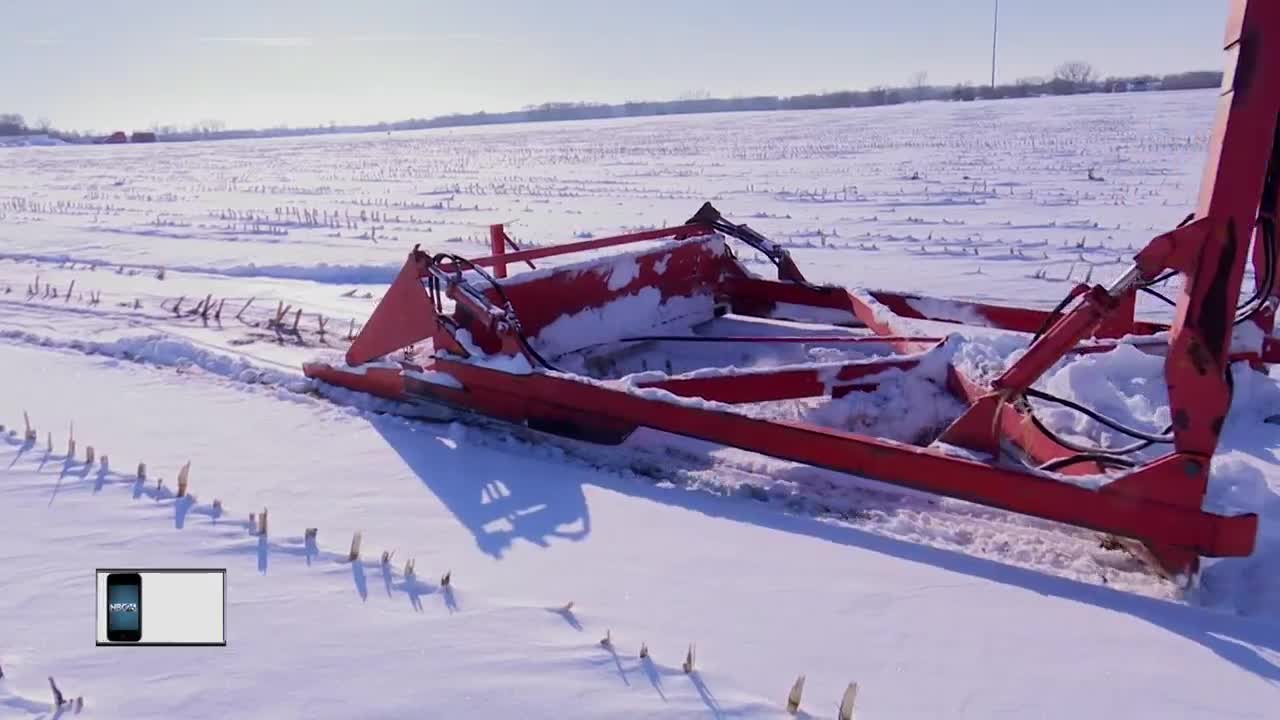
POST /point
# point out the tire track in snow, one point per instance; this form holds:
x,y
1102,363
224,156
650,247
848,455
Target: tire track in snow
x,y
323,273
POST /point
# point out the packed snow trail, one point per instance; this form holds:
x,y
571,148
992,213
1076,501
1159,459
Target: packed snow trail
x,y
764,595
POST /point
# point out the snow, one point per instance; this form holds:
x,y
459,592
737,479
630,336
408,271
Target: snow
x,y
908,405
436,377
986,360
319,273
642,312
943,310
38,140
1125,384
622,273
936,607
170,352
880,313
366,648
622,266
513,364
808,313
1247,337
366,367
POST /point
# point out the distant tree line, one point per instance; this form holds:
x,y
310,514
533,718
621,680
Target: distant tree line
x,y
1076,77
1068,79
14,124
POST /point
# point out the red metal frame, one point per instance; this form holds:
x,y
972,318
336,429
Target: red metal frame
x,y
1157,503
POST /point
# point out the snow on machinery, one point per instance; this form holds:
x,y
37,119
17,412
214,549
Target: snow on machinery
x,y
547,348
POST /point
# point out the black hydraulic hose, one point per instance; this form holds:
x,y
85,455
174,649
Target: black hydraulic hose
x,y
1053,316
1088,453
759,242
1071,445
1100,458
459,262
1267,225
1158,295
1262,293
1098,417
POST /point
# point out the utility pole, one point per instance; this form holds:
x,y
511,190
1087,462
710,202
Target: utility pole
x,y
995,26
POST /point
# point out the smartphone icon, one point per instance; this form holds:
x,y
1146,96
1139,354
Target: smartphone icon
x,y
124,607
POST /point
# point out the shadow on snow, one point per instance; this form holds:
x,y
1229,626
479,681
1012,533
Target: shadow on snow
x,y
546,501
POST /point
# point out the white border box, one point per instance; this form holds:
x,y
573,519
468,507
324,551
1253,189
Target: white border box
x,y
180,606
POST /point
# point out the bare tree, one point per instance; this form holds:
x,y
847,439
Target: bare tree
x,y
209,126
12,124
919,83
1076,72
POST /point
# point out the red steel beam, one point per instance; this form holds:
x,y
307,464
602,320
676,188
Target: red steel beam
x,y
789,339
747,292
782,384
404,315
1009,422
499,241
498,248
1057,342
1231,192
1005,317
1137,505
506,258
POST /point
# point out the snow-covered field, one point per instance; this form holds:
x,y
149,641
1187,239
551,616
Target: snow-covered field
x,y
935,608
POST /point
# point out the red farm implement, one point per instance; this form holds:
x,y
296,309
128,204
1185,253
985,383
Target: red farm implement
x,y
544,347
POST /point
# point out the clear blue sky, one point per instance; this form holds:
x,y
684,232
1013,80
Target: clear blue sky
x,y
107,64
